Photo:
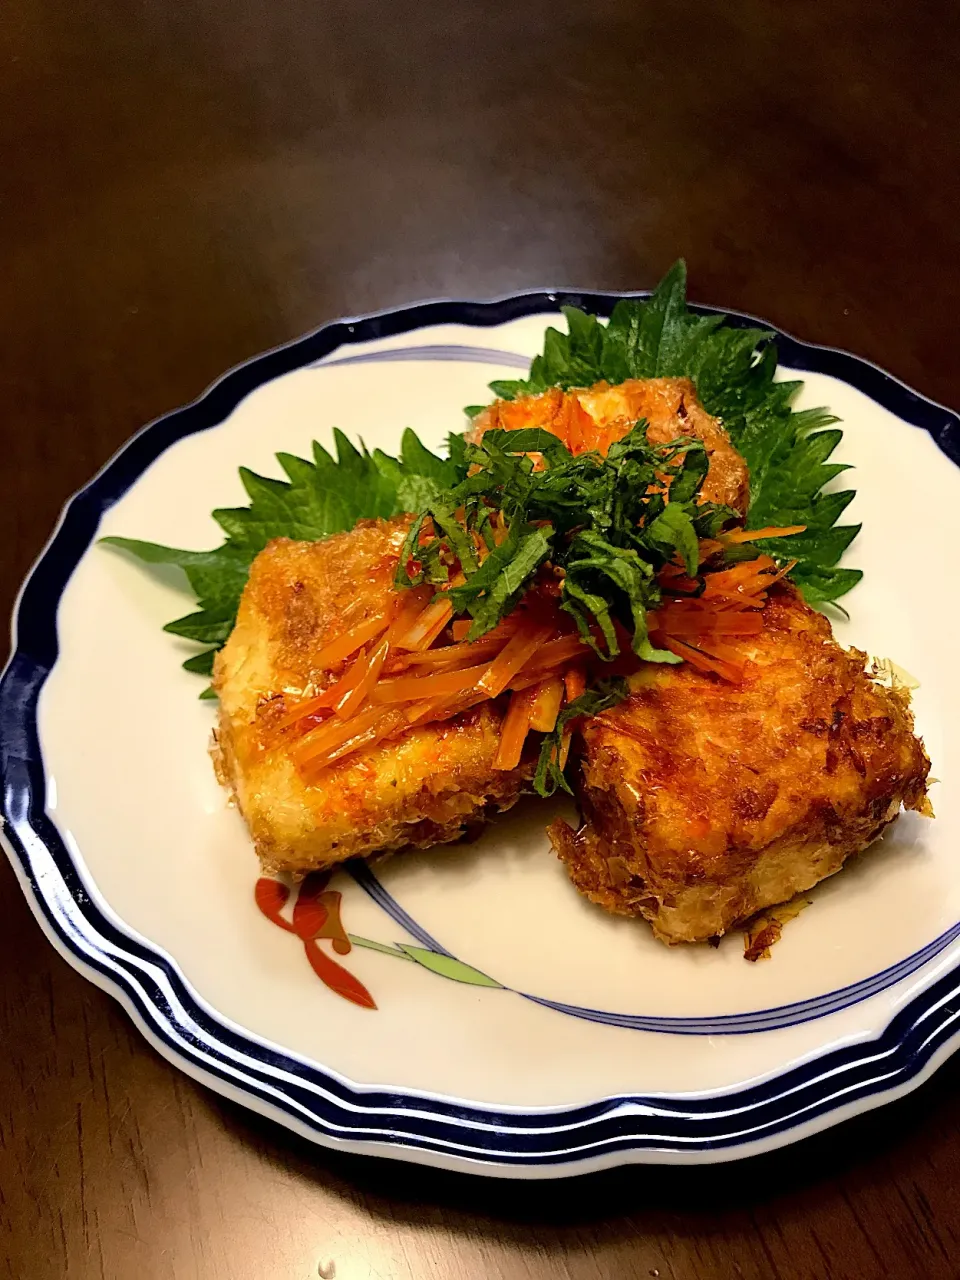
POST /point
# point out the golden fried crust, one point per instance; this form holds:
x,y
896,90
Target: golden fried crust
x,y
670,407
706,802
427,788
301,595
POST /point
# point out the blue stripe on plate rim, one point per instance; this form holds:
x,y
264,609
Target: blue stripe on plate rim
x,y
315,1101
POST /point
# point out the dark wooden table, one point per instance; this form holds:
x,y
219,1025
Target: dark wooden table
x,y
184,184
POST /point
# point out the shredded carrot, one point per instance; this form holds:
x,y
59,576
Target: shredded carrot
x,y
426,626
368,737
697,658
748,576
678,583
518,649
434,685
574,683
513,733
444,708
502,631
367,677
714,648
461,653
410,603
332,733
545,707
676,620
443,615
429,709
537,670
332,695
555,653
708,547
447,656
352,675
771,531
301,710
525,679
781,574
732,602
350,641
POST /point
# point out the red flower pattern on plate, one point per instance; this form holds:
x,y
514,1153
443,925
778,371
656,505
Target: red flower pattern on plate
x,y
316,918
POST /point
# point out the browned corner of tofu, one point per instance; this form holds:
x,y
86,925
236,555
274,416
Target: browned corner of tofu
x,y
427,787
705,802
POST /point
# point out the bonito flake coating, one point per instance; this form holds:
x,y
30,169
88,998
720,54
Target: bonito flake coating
x,y
705,802
429,787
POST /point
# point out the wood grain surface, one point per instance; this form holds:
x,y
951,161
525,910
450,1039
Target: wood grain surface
x,y
183,184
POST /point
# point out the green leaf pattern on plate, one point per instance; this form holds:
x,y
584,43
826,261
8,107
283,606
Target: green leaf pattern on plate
x,y
445,966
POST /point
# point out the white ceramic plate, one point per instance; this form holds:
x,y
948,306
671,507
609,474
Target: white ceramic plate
x,y
518,1030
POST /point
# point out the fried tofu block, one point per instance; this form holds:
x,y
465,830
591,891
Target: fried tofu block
x,y
591,418
705,802
426,788
437,781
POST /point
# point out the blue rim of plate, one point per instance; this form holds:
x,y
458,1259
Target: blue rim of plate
x,y
316,1102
